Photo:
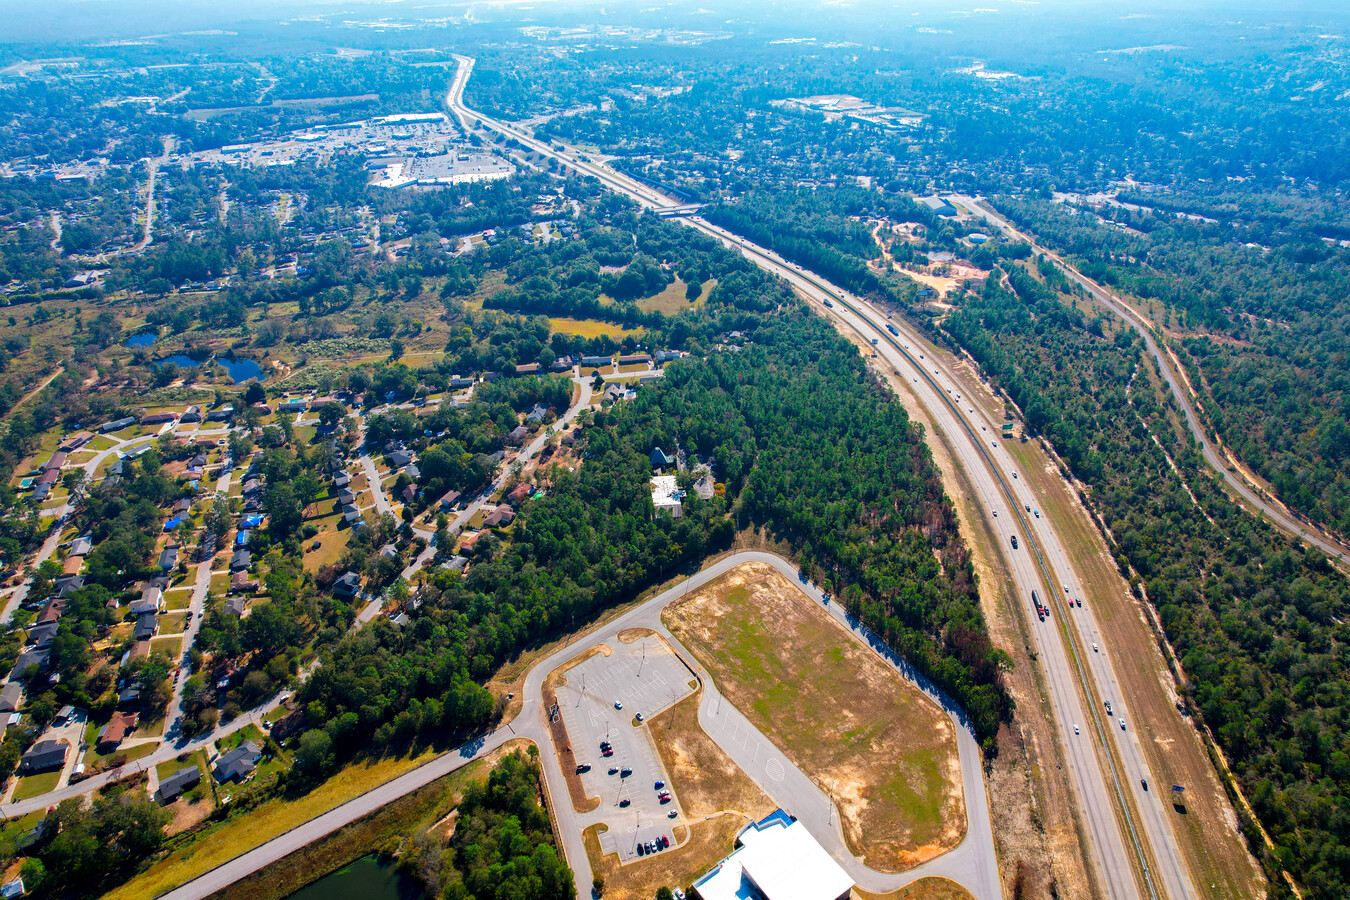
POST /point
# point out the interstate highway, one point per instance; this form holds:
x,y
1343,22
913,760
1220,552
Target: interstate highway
x,y
1118,828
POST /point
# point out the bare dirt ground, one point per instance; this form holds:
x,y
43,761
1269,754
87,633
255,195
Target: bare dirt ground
x,y
882,750
923,889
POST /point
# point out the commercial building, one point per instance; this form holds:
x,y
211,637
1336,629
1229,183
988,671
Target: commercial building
x,y
776,859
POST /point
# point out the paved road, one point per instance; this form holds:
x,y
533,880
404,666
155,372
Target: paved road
x,y
1277,513
973,863
1102,789
458,524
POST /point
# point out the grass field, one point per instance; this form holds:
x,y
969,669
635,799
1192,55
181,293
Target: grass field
x,y
589,328
882,750
219,843
32,785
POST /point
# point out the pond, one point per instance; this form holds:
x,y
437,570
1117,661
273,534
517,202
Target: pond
x,y
239,370
365,879
144,339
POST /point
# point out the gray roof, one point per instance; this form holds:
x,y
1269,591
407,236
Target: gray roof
x,y
185,778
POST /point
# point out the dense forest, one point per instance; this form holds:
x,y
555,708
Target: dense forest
x,y
1257,308
503,846
1256,618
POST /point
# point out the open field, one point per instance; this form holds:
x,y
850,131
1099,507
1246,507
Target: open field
x,y
923,889
883,751
589,328
217,843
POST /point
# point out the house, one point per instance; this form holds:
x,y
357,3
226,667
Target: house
x,y
661,458
448,501
667,496
236,606
11,697
27,660
185,779
237,764
518,435
501,516
347,586
138,650
776,859
168,558
42,756
81,546
118,727
240,561
152,601
42,635
399,458
147,626
116,425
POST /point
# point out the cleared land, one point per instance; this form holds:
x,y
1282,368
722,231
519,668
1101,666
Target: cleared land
x,y
881,749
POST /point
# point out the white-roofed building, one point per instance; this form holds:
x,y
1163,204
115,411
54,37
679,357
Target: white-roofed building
x,y
776,859
667,496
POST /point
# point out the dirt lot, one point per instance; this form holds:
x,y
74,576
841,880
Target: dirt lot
x,y
875,744
923,889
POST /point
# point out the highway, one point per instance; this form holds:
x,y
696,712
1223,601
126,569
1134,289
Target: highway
x,y
1126,824
1277,513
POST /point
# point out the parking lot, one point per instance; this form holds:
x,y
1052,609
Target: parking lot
x,y
598,702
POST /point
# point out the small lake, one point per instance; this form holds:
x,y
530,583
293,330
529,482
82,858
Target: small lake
x,y
365,879
144,339
239,370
